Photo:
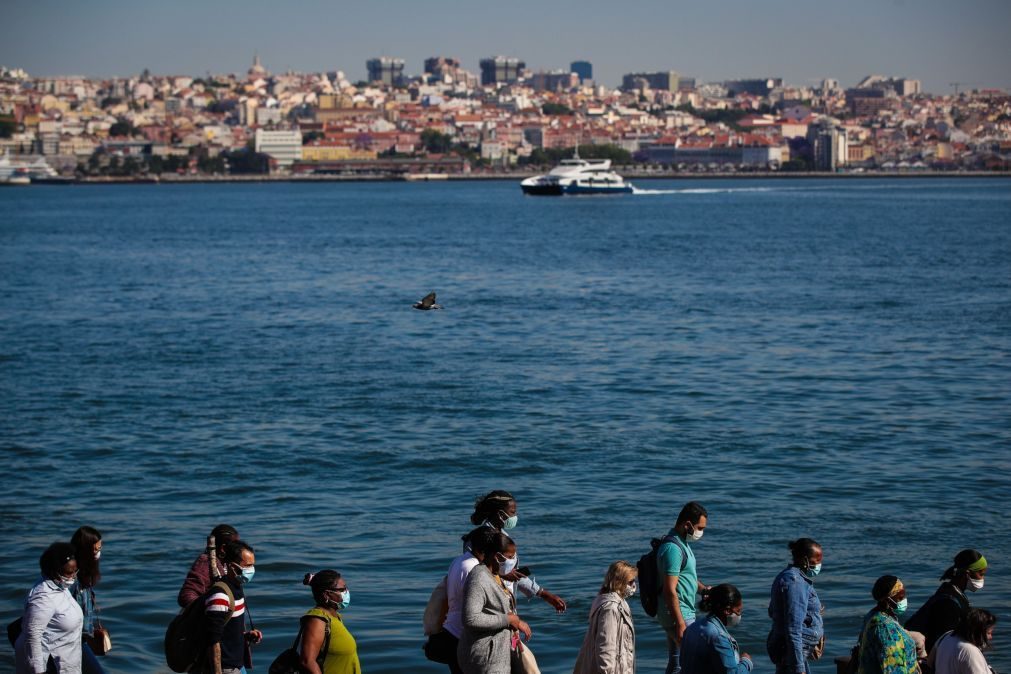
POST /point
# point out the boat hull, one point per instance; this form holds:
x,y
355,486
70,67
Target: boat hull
x,y
594,189
552,190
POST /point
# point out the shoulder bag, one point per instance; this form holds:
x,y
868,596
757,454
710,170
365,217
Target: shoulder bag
x,y
288,661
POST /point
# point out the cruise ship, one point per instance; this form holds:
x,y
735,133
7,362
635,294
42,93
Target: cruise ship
x,y
578,176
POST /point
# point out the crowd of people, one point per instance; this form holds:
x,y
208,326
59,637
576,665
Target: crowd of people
x,y
474,627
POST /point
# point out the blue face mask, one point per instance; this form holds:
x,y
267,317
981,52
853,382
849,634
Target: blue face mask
x,y
508,522
900,606
345,600
812,571
246,574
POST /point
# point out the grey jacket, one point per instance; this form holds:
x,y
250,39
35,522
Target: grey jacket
x,y
609,646
51,627
484,646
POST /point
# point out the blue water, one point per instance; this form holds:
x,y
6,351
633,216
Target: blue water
x,y
823,358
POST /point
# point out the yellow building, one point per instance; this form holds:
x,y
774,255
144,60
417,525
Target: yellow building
x,y
334,153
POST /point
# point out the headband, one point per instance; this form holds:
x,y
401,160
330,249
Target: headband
x,y
895,588
978,565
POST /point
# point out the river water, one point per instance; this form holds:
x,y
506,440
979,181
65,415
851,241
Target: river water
x,y
826,358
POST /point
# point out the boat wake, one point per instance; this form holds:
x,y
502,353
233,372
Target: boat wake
x,y
704,190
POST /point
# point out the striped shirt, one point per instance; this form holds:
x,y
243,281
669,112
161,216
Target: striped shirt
x,y
220,629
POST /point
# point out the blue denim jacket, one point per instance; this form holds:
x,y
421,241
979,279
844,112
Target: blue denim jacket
x,y
797,624
708,648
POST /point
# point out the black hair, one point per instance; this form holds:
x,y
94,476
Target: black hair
x,y
720,597
883,587
84,540
692,512
321,582
233,551
53,559
803,548
489,505
974,626
963,561
494,543
223,534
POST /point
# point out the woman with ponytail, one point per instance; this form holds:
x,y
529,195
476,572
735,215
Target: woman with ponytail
x,y
326,646
87,542
948,606
707,647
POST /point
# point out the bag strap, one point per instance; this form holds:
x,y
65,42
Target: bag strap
x,y
684,547
321,656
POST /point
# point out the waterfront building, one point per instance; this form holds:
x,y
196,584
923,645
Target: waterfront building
x,y
386,70
830,146
284,147
667,80
584,69
501,70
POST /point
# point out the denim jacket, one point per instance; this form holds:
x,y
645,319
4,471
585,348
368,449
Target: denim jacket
x,y
797,624
708,648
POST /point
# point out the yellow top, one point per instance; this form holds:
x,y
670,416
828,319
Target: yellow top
x,y
342,655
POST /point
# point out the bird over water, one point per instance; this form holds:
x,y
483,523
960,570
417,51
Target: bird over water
x,y
427,303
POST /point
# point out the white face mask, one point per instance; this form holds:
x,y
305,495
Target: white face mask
x,y
98,555
733,620
630,590
974,585
506,567
696,534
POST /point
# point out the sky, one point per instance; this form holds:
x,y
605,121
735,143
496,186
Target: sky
x,y
935,41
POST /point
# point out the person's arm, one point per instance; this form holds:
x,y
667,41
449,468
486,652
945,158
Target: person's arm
x,y
794,612
670,598
197,582
313,634
38,612
894,659
217,614
608,634
727,657
475,615
975,661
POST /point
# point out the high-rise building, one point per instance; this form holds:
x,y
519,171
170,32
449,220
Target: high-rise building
x,y
556,80
386,70
753,87
582,68
664,81
830,146
500,69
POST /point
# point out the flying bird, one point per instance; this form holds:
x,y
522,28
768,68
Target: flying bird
x,y
427,303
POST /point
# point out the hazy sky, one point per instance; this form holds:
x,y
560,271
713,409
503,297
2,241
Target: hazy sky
x,y
935,41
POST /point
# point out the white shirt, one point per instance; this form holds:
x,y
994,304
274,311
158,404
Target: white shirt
x,y
456,578
51,626
953,655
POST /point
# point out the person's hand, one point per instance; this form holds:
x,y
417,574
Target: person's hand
x,y
256,636
681,627
745,656
513,576
556,602
517,624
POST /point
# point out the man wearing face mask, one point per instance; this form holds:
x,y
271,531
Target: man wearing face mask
x,y
679,579
226,633
948,606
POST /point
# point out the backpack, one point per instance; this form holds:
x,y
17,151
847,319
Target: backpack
x,y
649,575
186,636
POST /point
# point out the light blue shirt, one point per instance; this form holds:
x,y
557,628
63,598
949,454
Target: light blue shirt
x,y
675,558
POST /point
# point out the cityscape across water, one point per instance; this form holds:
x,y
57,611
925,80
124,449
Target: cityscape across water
x,y
825,358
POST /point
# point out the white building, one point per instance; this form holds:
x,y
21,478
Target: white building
x,y
284,147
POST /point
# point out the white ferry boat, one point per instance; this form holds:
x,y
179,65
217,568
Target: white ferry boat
x,y
578,176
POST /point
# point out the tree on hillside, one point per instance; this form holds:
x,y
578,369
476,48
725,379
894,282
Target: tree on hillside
x,y
556,109
436,142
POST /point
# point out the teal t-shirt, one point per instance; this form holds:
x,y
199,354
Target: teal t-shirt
x,y
677,559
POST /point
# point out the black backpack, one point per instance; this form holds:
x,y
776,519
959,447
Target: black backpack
x,y
186,636
649,575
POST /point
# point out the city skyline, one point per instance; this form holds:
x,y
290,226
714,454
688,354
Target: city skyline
x,y
933,41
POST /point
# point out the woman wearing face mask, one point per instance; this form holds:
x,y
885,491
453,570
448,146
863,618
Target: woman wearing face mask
x,y
488,621
444,644
950,603
707,647
961,651
327,646
87,542
885,647
50,639
609,645
497,510
797,627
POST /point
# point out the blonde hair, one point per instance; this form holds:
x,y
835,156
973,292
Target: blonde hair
x,y
618,577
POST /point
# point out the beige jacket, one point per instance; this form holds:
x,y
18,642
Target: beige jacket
x,y
609,646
